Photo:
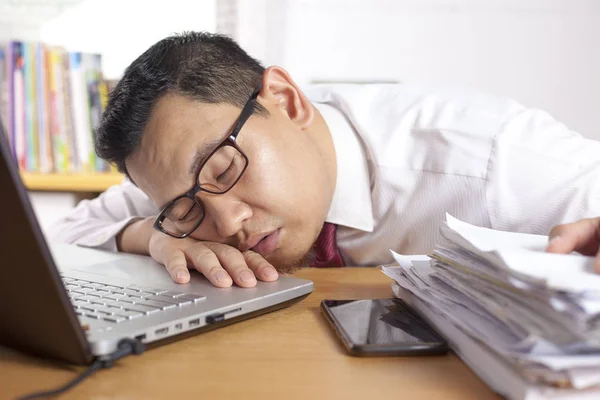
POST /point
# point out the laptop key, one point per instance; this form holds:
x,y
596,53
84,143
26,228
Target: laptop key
x,y
84,290
112,303
132,293
94,315
157,304
129,314
192,297
97,285
130,300
100,293
79,303
106,310
150,290
170,293
141,308
115,296
114,318
166,299
89,298
112,287
97,300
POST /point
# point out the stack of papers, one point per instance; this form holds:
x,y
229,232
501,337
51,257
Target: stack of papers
x,y
526,321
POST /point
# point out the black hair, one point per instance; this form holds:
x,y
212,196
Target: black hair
x,y
207,67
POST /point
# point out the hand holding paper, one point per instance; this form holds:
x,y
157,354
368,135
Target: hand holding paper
x,y
582,236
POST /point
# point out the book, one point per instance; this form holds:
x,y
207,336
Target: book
x,y
51,102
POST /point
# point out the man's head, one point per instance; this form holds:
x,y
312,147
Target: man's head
x,y
180,99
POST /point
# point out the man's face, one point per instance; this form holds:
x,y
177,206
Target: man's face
x,y
283,195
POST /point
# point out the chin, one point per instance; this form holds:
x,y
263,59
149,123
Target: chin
x,y
291,264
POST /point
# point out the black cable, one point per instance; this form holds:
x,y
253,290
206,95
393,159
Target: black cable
x,y
124,348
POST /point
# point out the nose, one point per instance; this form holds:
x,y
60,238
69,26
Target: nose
x,y
227,213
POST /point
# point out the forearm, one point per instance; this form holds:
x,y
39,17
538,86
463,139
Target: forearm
x,y
99,222
134,238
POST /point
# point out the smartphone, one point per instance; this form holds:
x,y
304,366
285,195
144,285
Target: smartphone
x,y
382,327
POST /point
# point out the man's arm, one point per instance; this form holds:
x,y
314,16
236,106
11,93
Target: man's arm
x,y
102,222
541,174
121,219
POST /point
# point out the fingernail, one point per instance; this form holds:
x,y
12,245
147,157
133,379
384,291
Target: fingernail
x,y
222,276
554,239
181,275
270,272
246,276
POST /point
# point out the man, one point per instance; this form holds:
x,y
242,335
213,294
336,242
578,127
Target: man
x,y
233,169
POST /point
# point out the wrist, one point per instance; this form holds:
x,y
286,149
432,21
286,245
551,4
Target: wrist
x,y
135,237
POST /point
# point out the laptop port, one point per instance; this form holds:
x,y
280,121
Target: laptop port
x,y
194,322
141,337
161,331
178,327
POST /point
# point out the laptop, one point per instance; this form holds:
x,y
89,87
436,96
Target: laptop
x,y
74,304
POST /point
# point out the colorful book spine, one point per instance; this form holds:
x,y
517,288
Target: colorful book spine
x,y
4,90
18,101
51,102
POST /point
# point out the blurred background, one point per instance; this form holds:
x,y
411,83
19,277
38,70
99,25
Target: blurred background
x,y
62,56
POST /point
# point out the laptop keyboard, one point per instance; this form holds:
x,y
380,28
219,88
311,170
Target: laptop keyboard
x,y
118,303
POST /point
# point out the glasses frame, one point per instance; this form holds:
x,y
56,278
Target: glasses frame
x,y
230,140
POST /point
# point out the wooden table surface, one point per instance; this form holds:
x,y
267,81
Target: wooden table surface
x,y
287,354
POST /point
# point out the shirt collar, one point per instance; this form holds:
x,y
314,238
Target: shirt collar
x,y
351,204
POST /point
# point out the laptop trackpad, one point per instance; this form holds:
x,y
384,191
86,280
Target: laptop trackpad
x,y
141,270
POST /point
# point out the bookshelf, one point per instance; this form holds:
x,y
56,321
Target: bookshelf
x,y
76,182
51,100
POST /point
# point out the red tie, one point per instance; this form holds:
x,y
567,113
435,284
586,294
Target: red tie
x,y
328,254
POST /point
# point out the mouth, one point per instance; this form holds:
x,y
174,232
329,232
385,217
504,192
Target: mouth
x,y
265,244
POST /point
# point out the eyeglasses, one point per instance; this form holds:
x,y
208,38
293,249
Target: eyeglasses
x,y
221,170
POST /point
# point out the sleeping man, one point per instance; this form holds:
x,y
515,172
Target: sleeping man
x,y
235,171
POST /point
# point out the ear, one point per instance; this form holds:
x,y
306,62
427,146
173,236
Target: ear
x,y
279,89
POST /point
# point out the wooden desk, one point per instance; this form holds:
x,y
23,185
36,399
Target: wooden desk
x,y
288,354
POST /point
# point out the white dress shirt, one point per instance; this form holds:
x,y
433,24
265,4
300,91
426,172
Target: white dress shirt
x,y
406,155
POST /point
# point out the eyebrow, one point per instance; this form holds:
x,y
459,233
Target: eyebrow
x,y
199,158
201,155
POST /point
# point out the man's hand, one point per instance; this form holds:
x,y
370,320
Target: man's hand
x,y
219,263
582,236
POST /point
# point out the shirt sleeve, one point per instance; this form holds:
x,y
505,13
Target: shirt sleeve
x,y
96,223
540,174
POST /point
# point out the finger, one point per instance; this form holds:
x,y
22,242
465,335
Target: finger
x,y
176,265
262,269
234,263
579,236
206,262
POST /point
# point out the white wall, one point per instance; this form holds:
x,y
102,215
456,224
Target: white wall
x,y
544,53
122,29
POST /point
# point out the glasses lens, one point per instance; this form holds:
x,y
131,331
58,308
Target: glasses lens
x,y
182,217
222,170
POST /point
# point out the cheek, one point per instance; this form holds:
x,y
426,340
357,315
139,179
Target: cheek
x,y
286,184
